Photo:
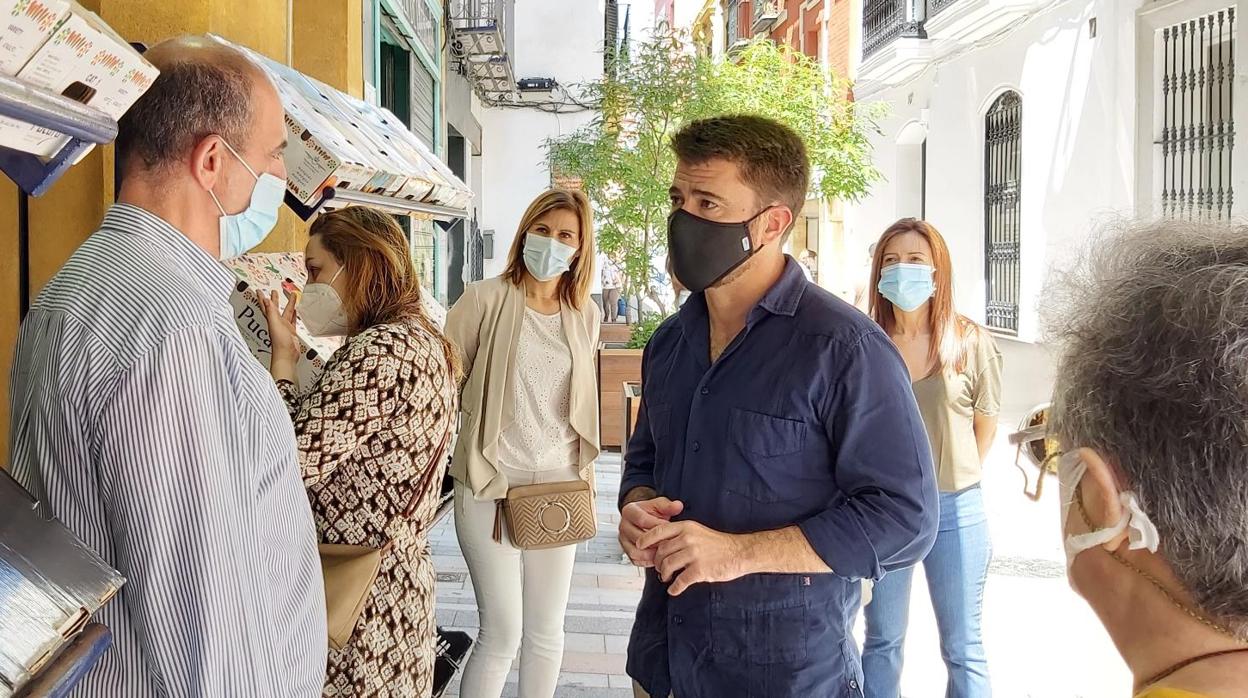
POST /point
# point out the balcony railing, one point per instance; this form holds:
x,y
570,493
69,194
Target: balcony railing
x,y
765,15
424,23
934,7
483,36
885,21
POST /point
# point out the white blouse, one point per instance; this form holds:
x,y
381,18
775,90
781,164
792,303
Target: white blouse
x,y
541,438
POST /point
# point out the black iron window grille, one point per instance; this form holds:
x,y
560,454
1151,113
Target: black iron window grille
x,y
1198,124
476,253
885,21
732,22
934,7
1003,128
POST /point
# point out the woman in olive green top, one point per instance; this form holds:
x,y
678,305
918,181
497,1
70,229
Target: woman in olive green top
x,y
955,370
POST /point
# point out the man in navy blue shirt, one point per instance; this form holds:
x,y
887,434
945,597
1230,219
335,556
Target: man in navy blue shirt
x,y
779,456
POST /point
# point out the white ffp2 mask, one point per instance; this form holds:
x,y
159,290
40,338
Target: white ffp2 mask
x,y
321,310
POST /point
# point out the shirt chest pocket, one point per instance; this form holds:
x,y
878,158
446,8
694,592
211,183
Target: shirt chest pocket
x,y
767,458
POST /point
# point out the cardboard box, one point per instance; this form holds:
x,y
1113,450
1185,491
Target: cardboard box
x,y
262,273
50,585
445,188
338,140
317,154
282,272
86,61
386,126
391,176
24,27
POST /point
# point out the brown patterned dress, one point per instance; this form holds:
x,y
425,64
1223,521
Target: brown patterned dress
x,y
367,432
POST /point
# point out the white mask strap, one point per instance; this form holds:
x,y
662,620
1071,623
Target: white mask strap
x,y
1140,530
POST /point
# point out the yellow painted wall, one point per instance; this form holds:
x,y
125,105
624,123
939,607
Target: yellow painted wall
x,y
326,42
9,300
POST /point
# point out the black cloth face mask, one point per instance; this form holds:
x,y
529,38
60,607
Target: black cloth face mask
x,y
703,252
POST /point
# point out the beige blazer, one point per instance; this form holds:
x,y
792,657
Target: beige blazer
x,y
484,325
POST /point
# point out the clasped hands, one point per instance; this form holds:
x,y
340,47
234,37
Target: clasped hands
x,y
683,553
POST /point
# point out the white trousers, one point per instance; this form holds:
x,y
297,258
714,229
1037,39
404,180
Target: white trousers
x,y
522,596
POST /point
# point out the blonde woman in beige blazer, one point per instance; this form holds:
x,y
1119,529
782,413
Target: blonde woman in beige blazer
x,y
530,416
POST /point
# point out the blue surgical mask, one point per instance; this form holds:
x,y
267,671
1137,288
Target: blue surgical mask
x,y
244,230
907,286
545,257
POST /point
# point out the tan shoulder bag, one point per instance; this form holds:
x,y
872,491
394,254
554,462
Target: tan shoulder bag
x,y
350,570
549,515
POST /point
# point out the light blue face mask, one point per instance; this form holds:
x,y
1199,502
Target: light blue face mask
x,y
244,230
907,286
545,257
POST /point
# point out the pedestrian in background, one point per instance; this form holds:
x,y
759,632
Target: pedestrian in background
x,y
810,265
612,283
955,370
530,416
595,287
368,432
1150,410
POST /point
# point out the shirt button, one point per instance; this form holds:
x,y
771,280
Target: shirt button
x,y
706,391
853,685
678,620
697,446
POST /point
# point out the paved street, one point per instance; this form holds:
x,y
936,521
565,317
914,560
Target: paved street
x,y
1042,640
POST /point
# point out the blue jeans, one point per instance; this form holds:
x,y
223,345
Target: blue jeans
x,y
956,569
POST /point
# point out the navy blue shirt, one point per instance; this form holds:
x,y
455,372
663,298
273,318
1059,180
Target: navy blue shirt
x,y
806,419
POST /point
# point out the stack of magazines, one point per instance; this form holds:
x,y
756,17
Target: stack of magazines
x,y
50,585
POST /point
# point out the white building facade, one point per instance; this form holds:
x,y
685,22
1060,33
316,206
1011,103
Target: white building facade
x,y
513,161
1017,127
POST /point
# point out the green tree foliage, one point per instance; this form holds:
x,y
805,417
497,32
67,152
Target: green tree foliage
x,y
624,160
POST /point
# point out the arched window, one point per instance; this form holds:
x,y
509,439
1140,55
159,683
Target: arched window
x,y
1003,128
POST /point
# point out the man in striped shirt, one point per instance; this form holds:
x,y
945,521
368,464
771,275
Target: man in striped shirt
x,y
141,420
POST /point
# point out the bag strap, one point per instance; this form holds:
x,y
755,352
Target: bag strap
x,y
439,457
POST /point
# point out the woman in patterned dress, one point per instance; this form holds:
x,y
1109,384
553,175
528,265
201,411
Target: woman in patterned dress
x,y
367,432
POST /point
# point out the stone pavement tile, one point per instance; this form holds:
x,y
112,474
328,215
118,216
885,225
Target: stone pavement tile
x,y
456,597
622,610
593,663
573,679
616,644
585,580
596,624
578,692
443,616
614,570
449,563
466,619
584,642
620,681
632,583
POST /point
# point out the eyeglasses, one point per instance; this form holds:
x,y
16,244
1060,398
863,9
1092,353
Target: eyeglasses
x,y
1042,451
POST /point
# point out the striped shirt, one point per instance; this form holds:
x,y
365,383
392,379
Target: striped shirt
x,y
143,423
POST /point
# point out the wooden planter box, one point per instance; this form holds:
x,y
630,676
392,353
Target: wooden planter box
x,y
615,332
616,366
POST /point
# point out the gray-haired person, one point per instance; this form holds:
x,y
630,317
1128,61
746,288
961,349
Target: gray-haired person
x,y
1151,411
141,420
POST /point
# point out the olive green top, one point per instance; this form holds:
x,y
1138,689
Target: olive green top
x,y
948,402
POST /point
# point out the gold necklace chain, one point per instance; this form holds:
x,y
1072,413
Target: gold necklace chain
x,y
1212,625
